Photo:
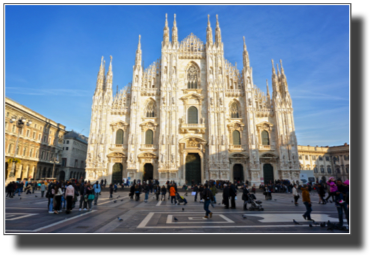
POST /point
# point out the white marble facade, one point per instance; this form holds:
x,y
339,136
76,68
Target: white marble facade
x,y
233,120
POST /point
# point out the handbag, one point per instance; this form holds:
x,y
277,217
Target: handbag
x,y
91,197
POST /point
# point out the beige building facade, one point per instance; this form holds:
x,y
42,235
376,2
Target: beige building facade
x,y
39,145
192,116
325,161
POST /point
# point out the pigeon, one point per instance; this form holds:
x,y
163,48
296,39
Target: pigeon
x,y
36,196
310,225
115,201
183,209
295,222
175,219
119,219
244,217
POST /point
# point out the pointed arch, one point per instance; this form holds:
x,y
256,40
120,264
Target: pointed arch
x,y
151,108
235,109
193,76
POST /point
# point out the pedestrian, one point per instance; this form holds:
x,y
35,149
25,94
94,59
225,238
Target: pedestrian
x,y
195,189
200,191
146,192
102,183
115,187
50,198
97,191
307,202
69,196
214,191
9,189
90,196
172,193
226,195
321,193
185,187
63,198
168,189
332,188
132,191
83,192
163,192
342,190
157,192
254,189
111,190
245,197
295,194
105,183
233,196
207,196
137,192
57,199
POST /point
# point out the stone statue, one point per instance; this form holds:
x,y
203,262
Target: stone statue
x,y
220,101
173,140
211,100
162,139
173,100
250,101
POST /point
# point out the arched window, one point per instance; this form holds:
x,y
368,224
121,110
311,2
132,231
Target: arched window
x,y
192,115
119,136
151,109
234,110
192,77
149,137
236,137
265,137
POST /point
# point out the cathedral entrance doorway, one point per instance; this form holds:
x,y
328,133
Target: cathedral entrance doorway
x,y
148,173
193,168
117,173
238,173
268,174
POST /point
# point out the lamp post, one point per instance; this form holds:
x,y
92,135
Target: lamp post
x,y
20,123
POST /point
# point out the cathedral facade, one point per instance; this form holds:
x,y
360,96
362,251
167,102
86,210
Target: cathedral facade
x,y
192,116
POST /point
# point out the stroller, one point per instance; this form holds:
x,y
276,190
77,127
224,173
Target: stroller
x,y
255,204
180,199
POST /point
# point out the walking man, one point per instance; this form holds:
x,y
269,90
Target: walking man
x,y
97,191
43,188
232,196
207,196
226,196
307,202
69,195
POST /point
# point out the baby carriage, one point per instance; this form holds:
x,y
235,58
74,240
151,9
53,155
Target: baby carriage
x,y
255,204
180,199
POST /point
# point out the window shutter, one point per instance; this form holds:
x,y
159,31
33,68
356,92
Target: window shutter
x,y
236,137
149,137
192,115
119,136
265,138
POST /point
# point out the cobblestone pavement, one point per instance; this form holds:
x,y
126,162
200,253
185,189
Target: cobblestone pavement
x,y
29,215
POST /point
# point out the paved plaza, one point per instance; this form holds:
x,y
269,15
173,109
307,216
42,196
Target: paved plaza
x,y
29,215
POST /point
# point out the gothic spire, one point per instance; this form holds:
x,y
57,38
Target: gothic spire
x,y
174,31
101,76
267,89
109,76
273,69
282,70
245,55
218,37
209,32
166,32
138,56
278,71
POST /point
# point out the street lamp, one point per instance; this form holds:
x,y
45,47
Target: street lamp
x,y
20,123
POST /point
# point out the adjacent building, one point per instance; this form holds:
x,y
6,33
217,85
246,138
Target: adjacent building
x,y
73,156
325,161
33,144
192,116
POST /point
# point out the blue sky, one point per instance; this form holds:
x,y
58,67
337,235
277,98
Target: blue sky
x,y
53,55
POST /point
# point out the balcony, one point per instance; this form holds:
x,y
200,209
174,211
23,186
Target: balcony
x,y
148,147
117,147
266,147
196,128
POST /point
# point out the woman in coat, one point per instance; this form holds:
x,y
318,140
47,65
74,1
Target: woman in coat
x,y
57,199
163,192
132,191
226,196
90,196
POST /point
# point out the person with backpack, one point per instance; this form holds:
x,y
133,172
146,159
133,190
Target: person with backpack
x,y
97,191
90,196
207,196
200,191
163,192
